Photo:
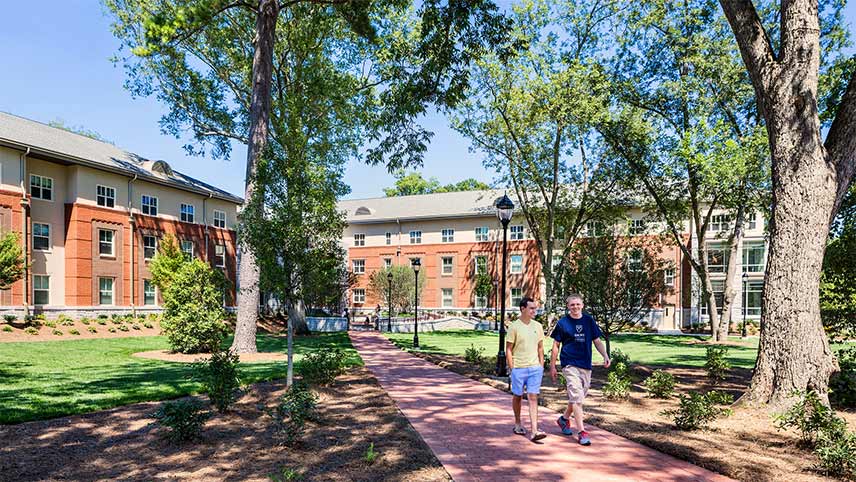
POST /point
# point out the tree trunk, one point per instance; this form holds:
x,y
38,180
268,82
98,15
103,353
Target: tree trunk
x,y
707,288
248,273
731,279
296,316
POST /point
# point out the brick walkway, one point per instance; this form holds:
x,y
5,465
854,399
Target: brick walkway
x,y
468,426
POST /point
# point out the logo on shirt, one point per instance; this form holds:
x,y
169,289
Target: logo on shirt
x,y
579,336
579,328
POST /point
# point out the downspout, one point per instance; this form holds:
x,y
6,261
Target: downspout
x,y
205,226
131,223
25,209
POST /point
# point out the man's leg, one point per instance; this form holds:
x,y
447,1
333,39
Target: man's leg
x,y
578,416
515,404
533,412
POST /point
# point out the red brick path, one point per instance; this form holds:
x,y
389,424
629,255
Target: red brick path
x,y
468,426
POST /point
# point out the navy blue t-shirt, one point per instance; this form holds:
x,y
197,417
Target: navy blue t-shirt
x,y
576,336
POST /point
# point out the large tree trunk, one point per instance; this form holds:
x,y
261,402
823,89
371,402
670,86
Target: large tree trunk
x,y
248,273
296,315
731,280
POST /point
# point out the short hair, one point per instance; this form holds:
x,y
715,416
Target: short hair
x,y
574,295
525,302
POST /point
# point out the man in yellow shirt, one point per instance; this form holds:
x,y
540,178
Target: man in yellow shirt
x,y
524,353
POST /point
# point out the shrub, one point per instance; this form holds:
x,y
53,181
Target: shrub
x,y
474,355
50,323
148,325
57,332
64,320
193,309
660,384
720,398
116,317
810,417
617,356
85,320
295,408
716,365
617,385
112,329
10,318
124,328
102,316
92,329
488,364
73,331
219,377
183,418
31,330
40,317
842,385
7,328
135,326
695,411
116,320
287,474
101,321
323,366
837,453
370,455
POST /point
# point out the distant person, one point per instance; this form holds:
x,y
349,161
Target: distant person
x,y
524,353
575,333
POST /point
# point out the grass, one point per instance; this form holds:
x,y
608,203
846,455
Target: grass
x,y
40,380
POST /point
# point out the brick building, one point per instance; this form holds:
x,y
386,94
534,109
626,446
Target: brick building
x,y
91,216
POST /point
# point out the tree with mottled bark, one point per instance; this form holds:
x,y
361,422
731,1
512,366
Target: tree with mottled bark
x,y
810,177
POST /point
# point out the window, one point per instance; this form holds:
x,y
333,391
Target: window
x,y
720,222
516,296
481,301
150,246
359,240
388,238
753,257
41,187
105,242
387,262
557,261
516,265
634,260
448,302
717,259
105,196
415,237
481,234
447,265
149,293
448,235
41,289
595,228
636,227
41,236
359,266
219,219
753,297
187,213
150,205
105,291
718,288
517,232
752,220
220,255
359,295
187,248
480,264
669,277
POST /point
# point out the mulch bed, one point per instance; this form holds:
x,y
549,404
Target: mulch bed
x,y
46,333
744,446
124,444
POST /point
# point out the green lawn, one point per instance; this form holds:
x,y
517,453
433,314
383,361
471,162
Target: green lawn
x,y
49,379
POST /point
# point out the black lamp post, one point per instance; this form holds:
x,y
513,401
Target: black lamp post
x,y
504,211
389,302
745,300
416,264
495,296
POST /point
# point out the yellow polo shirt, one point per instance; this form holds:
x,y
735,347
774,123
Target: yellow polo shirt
x,y
525,338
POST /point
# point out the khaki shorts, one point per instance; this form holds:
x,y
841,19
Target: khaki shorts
x,y
578,381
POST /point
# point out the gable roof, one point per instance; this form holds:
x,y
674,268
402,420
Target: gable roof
x,y
60,145
423,206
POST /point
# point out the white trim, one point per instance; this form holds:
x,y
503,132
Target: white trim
x,y
112,253
143,205
106,187
112,291
53,187
50,237
192,213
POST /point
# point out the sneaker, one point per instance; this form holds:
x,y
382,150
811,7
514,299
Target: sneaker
x,y
584,438
565,425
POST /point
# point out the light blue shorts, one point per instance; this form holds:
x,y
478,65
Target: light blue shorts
x,y
529,376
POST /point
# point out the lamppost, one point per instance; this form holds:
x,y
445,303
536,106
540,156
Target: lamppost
x,y
745,299
495,295
416,264
389,302
504,211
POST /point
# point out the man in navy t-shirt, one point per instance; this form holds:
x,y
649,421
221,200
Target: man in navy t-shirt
x,y
576,332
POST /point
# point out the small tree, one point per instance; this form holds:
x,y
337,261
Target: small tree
x,y
11,260
167,262
619,278
193,309
402,286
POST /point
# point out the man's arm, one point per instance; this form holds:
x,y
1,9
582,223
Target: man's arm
x,y
509,360
541,352
601,348
553,356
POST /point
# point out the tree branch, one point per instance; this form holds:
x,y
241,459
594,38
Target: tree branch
x,y
755,46
841,143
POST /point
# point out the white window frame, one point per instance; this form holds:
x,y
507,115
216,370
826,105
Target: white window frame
x,y
359,295
154,293
416,237
220,258
359,239
515,299
40,236
219,219
595,229
108,199
155,247
633,264
515,267
44,289
636,227
447,297
752,220
480,301
387,262
476,269
518,233
448,235
149,208
192,252
187,213
102,291
717,268
101,242
359,265
669,277
450,266
41,188
754,286
388,238
720,222
753,268
482,234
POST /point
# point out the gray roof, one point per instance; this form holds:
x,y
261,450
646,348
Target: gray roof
x,y
61,145
425,206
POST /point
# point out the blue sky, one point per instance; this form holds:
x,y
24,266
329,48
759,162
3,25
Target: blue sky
x,y
56,67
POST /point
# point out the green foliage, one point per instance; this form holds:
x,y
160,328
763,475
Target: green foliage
x,y
323,366
193,309
57,332
403,280
12,262
101,321
7,328
112,329
409,184
30,330
370,455
695,411
837,453
716,364
842,385
85,320
717,397
148,325
10,318
183,418
618,356
73,331
474,355
167,263
92,329
660,384
50,323
285,475
124,328
295,408
135,326
618,383
219,377
809,416
837,290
